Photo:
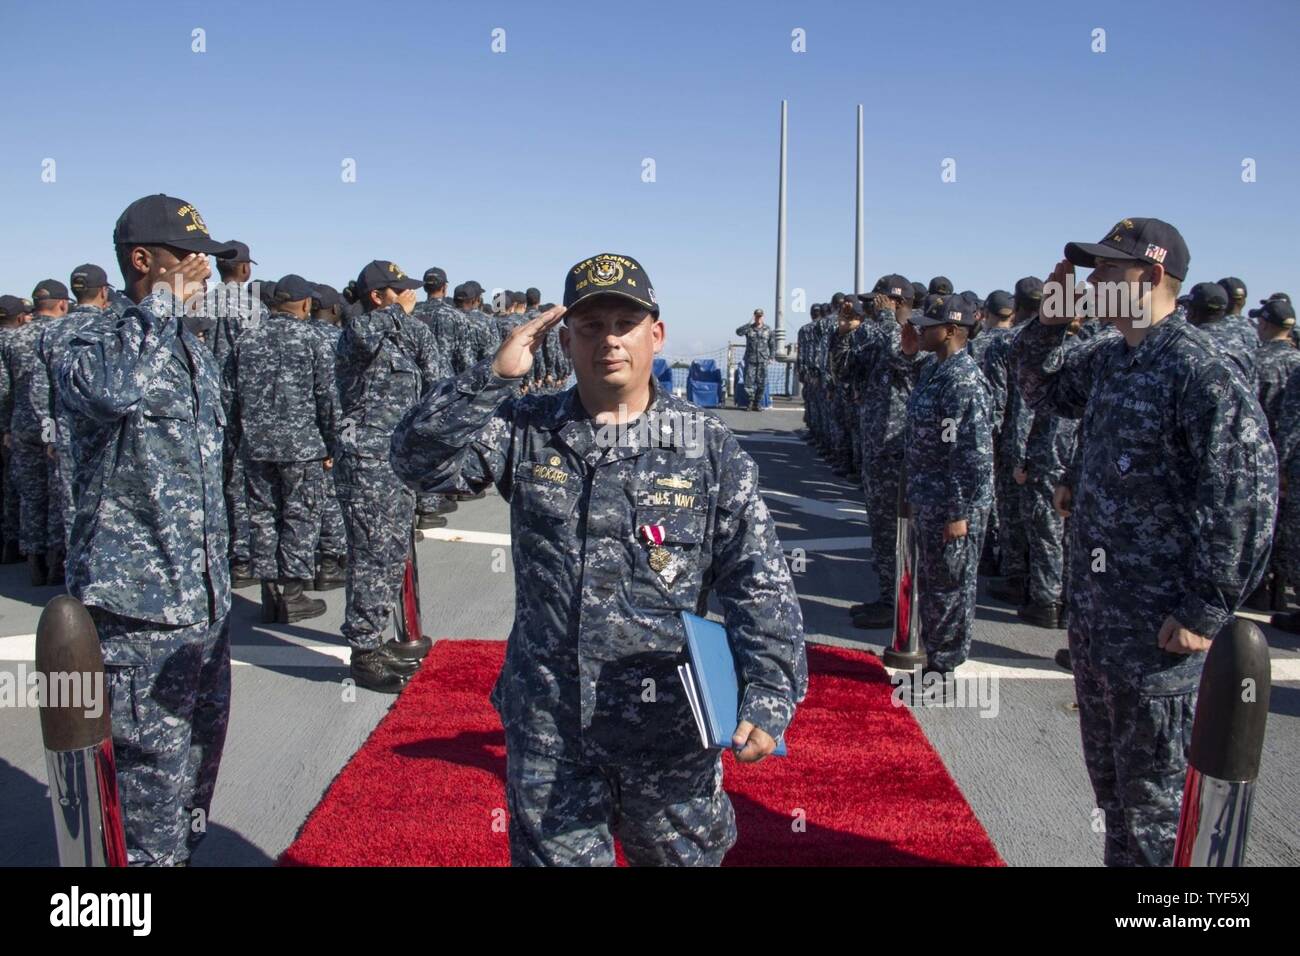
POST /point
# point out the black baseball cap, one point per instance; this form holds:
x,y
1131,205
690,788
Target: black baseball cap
x,y
1001,303
435,277
1138,240
49,289
1029,290
160,220
266,291
382,274
940,285
1210,297
610,274
895,286
241,253
325,297
87,277
1277,312
1235,288
292,288
918,294
949,310
1256,313
467,291
971,296
11,306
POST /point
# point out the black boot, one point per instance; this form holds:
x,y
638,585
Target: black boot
x,y
39,570
875,615
447,507
296,606
1288,621
1042,615
12,553
55,562
373,669
1260,598
426,521
1278,595
270,602
241,575
330,576
405,656
1063,658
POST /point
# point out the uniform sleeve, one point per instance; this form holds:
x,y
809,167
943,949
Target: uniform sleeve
x,y
741,331
1236,498
42,388
1287,436
1049,375
107,369
759,604
994,367
6,389
459,437
968,453
325,394
364,335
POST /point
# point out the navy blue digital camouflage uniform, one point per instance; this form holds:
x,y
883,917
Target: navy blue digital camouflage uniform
x,y
760,344
949,467
871,356
233,307
148,555
10,487
285,409
1238,340
50,348
386,360
1275,361
1172,515
1286,438
599,736
333,535
1012,419
30,430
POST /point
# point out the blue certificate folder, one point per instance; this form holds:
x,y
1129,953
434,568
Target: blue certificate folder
x,y
710,681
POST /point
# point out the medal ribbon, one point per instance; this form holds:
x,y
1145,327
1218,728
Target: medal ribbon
x,y
652,533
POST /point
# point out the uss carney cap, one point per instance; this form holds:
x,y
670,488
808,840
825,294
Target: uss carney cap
x,y
382,274
610,274
1210,297
1137,240
1001,303
49,289
894,286
435,277
87,277
1235,288
292,288
950,310
1278,312
241,252
160,220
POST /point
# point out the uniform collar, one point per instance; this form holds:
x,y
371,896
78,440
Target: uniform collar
x,y
1171,329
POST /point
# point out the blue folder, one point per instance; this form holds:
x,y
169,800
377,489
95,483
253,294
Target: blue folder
x,y
712,688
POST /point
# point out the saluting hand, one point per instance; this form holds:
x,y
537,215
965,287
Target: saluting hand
x,y
1062,275
191,273
515,357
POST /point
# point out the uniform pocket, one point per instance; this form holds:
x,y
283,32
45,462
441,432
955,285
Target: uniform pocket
x,y
669,571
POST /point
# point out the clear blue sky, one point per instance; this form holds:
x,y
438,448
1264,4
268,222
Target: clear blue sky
x,y
507,168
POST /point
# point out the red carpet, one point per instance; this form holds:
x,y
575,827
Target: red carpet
x,y
426,789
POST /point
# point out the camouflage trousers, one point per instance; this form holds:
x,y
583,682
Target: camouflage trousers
x,y
32,477
1013,543
1135,748
880,485
333,534
1045,538
169,695
1286,541
565,813
11,498
285,499
237,505
379,512
756,383
61,505
838,422
946,579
